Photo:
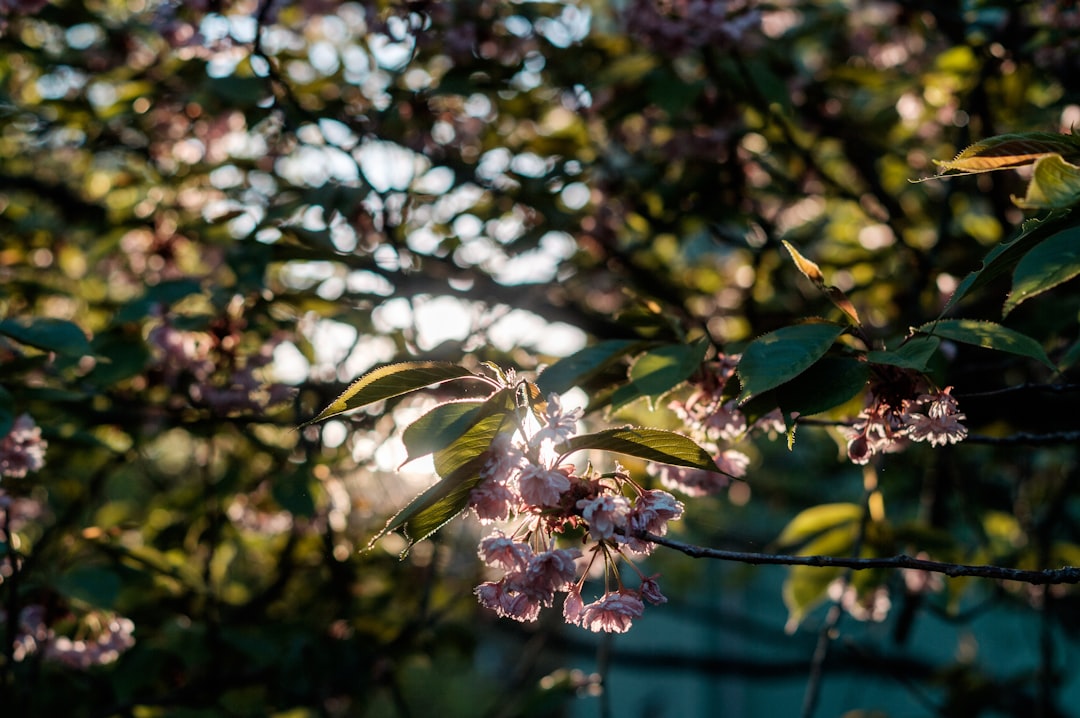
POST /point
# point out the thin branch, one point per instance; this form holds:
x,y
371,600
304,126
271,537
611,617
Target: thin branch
x,y
1064,575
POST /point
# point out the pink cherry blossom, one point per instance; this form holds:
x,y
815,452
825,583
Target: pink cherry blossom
x,y
542,487
559,425
650,591
604,514
507,601
23,449
501,551
550,571
492,501
614,613
573,606
935,418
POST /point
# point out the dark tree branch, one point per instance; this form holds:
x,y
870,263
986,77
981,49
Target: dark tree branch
x,y
1063,575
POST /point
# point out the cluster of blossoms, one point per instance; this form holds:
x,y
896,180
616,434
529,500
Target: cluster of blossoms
x,y
711,415
527,480
108,636
676,26
23,449
891,419
197,358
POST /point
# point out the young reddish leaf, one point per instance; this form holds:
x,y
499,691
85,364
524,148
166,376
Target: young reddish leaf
x,y
1008,151
813,272
1053,262
664,447
390,381
780,356
988,335
51,335
1055,184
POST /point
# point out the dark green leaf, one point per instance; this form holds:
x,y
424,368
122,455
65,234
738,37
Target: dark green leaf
x,y
1004,256
988,335
664,447
292,493
53,335
390,381
830,382
7,412
914,353
1049,264
580,366
93,584
780,356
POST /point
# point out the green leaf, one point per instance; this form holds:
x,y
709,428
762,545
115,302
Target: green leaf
x,y
664,447
780,356
1004,256
446,423
988,335
459,466
914,353
7,412
1049,264
93,584
1055,184
582,365
53,335
1010,150
661,370
390,381
814,521
292,493
830,382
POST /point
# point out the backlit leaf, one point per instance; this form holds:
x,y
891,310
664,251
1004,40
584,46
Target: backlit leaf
x,y
664,447
914,353
390,381
1008,151
580,366
1055,184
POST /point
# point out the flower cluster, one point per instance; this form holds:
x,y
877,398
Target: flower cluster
x,y
528,481
108,636
23,449
711,415
890,421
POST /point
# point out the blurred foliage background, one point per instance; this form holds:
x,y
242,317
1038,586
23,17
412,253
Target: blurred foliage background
x,y
215,214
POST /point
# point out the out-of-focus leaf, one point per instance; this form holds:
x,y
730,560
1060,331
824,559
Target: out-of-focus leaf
x,y
53,335
390,381
577,368
914,353
1049,264
664,447
811,522
292,493
988,335
1055,184
780,356
95,585
7,412
164,293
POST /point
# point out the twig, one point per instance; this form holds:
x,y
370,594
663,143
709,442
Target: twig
x,y
1064,575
